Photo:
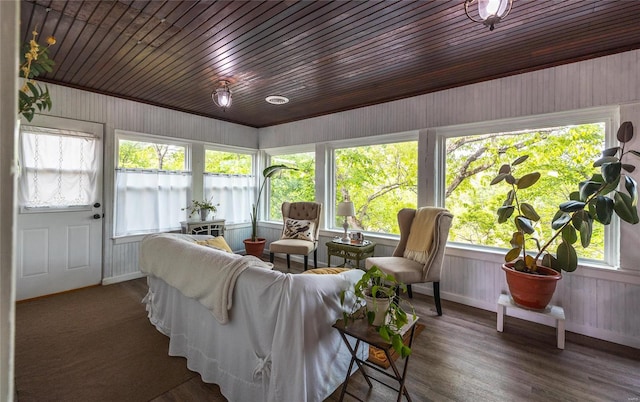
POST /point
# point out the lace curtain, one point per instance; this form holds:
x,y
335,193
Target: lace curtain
x,y
150,200
59,168
235,193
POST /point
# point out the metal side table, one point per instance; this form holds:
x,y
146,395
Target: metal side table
x,y
363,332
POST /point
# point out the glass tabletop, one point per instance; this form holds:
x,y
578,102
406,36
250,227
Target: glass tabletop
x,y
363,243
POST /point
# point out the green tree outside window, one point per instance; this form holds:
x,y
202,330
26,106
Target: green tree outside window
x,y
471,163
296,185
379,180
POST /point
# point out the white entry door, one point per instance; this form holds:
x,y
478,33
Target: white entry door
x,y
59,236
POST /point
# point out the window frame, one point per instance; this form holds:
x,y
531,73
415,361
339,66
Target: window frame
x,y
230,150
331,148
148,138
254,153
610,116
265,208
73,131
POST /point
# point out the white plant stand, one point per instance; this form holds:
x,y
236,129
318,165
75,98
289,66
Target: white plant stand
x,y
555,312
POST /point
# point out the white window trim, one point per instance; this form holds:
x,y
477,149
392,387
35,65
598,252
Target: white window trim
x,y
144,137
268,156
199,181
609,115
87,128
140,137
230,149
330,189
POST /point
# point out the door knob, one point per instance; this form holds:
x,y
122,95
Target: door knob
x,y
97,216
96,205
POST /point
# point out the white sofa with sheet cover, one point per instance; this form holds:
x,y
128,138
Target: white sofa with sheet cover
x,y
260,334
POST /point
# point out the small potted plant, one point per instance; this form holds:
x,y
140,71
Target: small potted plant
x,y
532,277
204,207
377,298
255,245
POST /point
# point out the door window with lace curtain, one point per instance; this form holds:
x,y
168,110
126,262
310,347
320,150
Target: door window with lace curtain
x,y
58,169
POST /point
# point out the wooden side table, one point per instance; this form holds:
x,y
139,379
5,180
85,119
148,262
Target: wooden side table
x,y
350,251
212,228
363,332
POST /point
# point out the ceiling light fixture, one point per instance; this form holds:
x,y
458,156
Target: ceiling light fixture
x,y
276,99
222,96
490,12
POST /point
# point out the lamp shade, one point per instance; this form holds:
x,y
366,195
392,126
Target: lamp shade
x,y
346,208
491,8
487,12
222,96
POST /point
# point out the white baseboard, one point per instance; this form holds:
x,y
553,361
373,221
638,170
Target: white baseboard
x,y
123,278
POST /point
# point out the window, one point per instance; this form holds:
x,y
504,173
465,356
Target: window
x,y
59,168
229,180
562,154
153,184
292,185
379,180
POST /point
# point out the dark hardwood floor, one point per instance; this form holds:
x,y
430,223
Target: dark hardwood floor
x,y
461,357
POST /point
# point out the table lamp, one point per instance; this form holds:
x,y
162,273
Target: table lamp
x,y
346,209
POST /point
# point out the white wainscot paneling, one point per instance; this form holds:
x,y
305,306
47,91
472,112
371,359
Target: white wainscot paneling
x,y
468,278
126,258
613,299
601,308
234,237
125,262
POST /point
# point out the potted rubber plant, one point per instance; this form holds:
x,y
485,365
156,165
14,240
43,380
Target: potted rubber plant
x,y
531,269
255,245
377,298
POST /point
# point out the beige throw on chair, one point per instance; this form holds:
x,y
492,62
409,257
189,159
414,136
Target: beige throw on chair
x,y
430,225
421,234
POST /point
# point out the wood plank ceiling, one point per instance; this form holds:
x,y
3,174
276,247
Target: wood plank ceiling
x,y
325,56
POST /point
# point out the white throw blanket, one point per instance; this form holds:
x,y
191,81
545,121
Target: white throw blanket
x,y
205,274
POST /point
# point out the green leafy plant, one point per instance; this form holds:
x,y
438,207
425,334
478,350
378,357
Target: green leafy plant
x,y
34,60
199,205
596,200
379,285
267,173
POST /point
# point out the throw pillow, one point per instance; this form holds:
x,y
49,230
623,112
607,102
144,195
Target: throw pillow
x,y
217,242
298,229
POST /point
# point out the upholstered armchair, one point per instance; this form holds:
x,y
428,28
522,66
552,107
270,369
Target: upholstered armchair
x,y
431,234
299,233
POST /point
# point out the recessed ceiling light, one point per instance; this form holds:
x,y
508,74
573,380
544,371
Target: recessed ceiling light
x,y
276,99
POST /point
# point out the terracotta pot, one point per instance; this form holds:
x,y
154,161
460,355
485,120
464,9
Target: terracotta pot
x,y
255,248
530,290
